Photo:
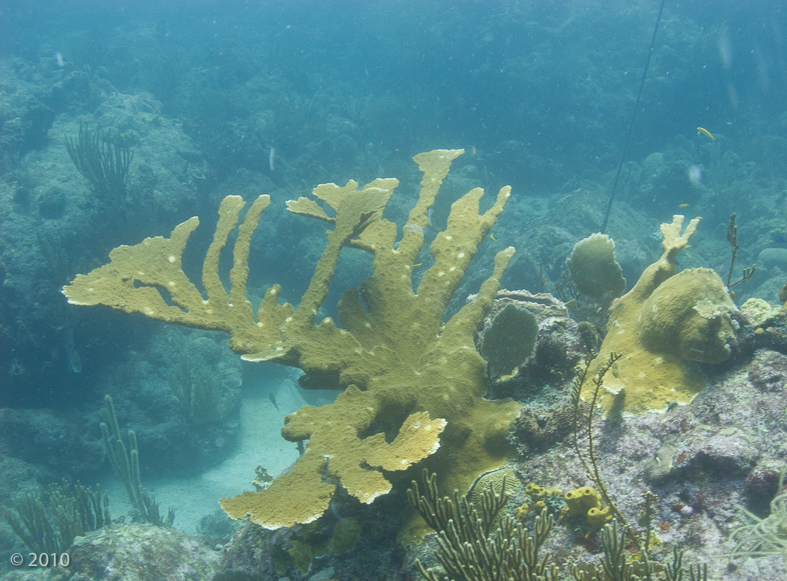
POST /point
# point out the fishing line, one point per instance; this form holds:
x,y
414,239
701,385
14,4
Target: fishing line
x,y
631,124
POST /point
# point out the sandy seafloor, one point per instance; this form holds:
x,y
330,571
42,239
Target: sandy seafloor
x,y
259,443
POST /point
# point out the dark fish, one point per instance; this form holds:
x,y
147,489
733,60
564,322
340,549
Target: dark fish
x,y
778,239
190,156
273,400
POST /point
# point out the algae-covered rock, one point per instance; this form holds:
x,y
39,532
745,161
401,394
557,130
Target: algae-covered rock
x,y
138,552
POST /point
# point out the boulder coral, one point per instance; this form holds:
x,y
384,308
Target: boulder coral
x,y
664,326
411,381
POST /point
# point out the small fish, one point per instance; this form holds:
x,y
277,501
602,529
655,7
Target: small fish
x,y
190,156
271,156
492,236
683,205
688,255
273,400
687,246
705,132
778,239
417,265
73,361
698,218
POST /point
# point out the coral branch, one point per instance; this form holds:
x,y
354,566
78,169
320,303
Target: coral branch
x,y
405,371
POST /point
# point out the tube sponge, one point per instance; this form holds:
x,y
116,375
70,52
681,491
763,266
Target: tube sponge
x,y
580,501
586,502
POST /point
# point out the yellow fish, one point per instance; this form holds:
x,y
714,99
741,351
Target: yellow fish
x,y
683,206
417,265
492,236
706,132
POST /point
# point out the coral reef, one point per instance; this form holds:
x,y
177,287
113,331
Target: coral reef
x,y
230,89
723,450
538,381
663,326
406,373
46,207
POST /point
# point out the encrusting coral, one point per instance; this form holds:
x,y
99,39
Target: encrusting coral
x,y
407,374
662,327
